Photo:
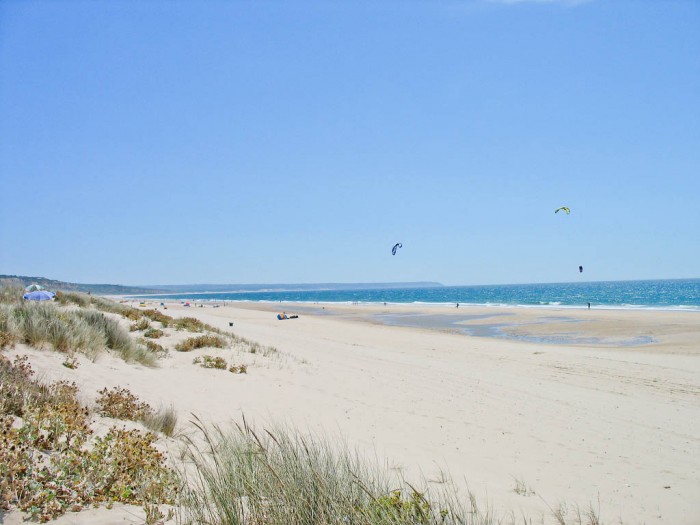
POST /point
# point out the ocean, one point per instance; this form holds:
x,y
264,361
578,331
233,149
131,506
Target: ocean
x,y
670,294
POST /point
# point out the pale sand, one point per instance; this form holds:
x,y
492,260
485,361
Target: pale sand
x,y
597,424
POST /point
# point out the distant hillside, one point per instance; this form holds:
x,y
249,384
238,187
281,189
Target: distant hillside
x,y
117,289
199,288
54,286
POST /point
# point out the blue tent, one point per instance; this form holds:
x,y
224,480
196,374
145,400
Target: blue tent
x,y
39,295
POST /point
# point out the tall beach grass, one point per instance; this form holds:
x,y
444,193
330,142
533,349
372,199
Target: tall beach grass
x,y
85,331
280,477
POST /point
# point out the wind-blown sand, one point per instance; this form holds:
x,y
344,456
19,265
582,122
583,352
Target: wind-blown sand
x,y
605,423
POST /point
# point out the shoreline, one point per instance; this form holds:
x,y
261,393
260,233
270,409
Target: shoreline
x,y
676,331
192,298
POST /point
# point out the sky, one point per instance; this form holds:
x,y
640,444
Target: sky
x,y
174,142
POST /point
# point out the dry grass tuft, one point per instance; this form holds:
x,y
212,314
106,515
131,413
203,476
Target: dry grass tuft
x,y
158,350
153,333
163,421
207,361
140,325
202,341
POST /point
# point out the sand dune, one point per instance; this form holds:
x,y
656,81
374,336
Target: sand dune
x,y
606,424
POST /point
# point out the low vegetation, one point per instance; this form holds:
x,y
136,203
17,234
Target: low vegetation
x,y
153,333
85,300
208,361
189,324
140,325
120,403
158,350
141,318
238,369
157,316
202,341
253,347
51,463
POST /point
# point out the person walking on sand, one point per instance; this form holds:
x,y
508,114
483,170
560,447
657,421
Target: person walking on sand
x,y
589,306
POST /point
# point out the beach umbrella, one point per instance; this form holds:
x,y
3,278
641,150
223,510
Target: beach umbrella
x,y
39,295
33,288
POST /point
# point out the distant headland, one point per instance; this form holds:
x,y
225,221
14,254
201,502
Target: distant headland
x,y
118,289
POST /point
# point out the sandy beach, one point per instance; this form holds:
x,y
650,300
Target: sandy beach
x,y
582,407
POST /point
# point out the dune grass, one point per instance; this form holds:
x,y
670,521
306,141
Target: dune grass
x,y
163,420
10,293
141,320
239,476
280,477
86,300
253,347
85,331
189,324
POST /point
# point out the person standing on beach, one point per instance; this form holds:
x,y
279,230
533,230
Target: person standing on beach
x,y
589,306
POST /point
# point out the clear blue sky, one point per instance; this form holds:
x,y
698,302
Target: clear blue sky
x,y
171,142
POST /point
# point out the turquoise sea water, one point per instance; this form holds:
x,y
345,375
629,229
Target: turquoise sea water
x,y
676,294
